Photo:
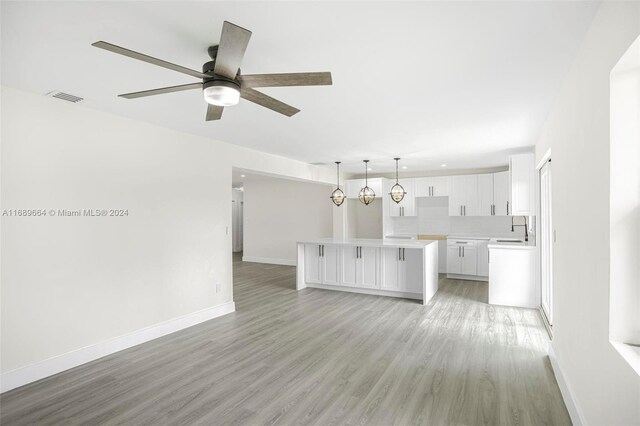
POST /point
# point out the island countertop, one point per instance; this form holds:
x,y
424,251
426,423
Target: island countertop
x,y
371,242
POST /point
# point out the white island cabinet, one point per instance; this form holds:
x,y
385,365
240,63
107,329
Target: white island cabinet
x,y
389,268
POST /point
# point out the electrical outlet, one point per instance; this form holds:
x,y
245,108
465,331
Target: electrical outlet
x,y
227,230
218,287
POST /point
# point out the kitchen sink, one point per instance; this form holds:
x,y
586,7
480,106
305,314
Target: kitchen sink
x,y
509,241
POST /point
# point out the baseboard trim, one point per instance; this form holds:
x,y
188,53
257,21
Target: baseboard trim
x,y
40,370
269,260
567,395
371,291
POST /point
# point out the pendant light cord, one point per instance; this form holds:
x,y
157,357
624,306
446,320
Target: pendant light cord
x,y
396,170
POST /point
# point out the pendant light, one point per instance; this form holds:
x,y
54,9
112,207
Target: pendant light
x,y
397,191
366,195
337,196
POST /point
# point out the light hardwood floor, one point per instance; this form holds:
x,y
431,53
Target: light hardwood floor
x,y
317,357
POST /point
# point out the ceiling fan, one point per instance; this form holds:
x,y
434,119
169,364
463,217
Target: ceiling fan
x,y
222,84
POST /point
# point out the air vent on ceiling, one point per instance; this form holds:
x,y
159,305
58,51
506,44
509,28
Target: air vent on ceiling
x,y
65,96
318,164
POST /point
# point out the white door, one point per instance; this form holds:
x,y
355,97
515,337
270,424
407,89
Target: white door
x,y
390,264
470,201
483,258
411,271
440,186
408,202
367,270
546,243
331,265
454,259
469,260
501,193
312,263
485,195
456,195
349,265
422,187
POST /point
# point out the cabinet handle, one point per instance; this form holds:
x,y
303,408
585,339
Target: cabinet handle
x,y
462,251
403,255
459,252
460,210
507,208
465,213
323,250
319,250
399,255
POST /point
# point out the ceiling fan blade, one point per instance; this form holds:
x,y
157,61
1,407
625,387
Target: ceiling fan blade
x,y
268,102
149,59
289,79
233,43
161,91
214,112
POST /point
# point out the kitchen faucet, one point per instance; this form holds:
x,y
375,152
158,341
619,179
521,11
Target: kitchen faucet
x,y
526,233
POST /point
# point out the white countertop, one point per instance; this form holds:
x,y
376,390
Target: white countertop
x,y
370,242
494,244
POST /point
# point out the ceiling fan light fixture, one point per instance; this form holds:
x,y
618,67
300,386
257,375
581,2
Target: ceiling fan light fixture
x,y
221,93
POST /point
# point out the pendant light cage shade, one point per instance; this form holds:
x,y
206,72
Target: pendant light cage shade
x,y
337,196
366,194
397,191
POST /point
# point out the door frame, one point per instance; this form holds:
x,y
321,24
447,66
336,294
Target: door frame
x,y
545,261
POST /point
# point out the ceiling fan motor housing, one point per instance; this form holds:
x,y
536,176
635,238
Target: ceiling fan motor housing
x,y
208,68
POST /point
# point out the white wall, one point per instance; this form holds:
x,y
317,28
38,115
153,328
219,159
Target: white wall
x,y
364,221
278,213
605,389
71,282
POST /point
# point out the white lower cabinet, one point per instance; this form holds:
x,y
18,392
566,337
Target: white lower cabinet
x,y
462,257
360,266
401,270
483,258
322,264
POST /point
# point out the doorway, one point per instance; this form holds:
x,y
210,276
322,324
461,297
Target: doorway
x,y
546,243
237,207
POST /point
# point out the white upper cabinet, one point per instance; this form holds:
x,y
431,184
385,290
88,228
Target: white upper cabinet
x,y
501,194
522,178
463,195
432,186
406,207
485,195
353,187
493,194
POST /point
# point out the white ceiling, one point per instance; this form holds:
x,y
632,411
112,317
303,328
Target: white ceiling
x,y
461,83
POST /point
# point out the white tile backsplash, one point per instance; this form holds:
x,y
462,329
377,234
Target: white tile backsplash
x,y
433,218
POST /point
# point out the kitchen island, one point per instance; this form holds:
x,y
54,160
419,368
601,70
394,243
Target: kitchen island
x,y
395,268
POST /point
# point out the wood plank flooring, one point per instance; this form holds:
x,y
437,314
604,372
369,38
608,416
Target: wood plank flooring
x,y
317,357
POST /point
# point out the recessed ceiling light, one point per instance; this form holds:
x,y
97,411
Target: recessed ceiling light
x,y
404,167
443,165
242,176
369,168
